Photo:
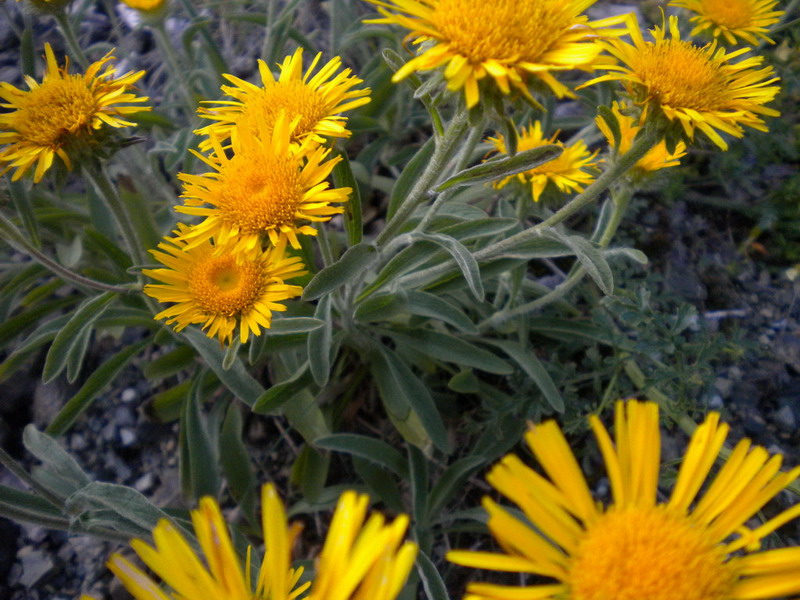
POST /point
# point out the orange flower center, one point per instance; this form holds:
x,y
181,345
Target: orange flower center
x,y
505,30
729,13
681,75
294,97
54,110
647,552
223,286
259,191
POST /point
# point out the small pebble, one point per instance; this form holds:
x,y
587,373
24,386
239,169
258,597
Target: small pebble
x,y
785,418
36,565
129,395
144,483
127,436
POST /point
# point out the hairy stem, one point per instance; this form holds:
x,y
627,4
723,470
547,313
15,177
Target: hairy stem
x,y
617,169
68,31
96,174
15,238
428,178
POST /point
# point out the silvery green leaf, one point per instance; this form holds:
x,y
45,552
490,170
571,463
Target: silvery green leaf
x,y
500,168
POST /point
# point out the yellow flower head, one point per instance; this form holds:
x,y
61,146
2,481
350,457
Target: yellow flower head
x,y
748,20
687,547
314,100
222,288
658,157
148,6
264,188
506,40
700,88
359,561
61,113
565,172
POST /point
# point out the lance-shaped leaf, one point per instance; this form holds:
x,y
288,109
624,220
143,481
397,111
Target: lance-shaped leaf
x,y
371,449
534,369
463,257
319,343
343,177
429,305
235,378
353,262
448,348
280,393
502,167
590,258
287,325
60,473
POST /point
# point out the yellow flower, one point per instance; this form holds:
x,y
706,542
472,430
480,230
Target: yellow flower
x,y
700,88
685,548
316,100
359,561
222,288
145,5
506,40
565,172
748,20
61,113
264,188
658,157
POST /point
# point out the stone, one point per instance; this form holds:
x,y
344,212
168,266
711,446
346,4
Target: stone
x,y
129,395
36,565
144,483
127,436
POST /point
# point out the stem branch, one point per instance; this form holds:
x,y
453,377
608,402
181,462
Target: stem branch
x,y
433,171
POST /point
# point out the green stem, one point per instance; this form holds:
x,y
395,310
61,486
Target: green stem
x,y
428,178
555,294
174,63
617,169
72,40
148,181
18,241
464,156
266,47
325,247
96,174
621,196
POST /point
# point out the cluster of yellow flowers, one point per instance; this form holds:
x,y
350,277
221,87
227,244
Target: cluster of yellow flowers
x,y
505,46
266,148
692,546
363,558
